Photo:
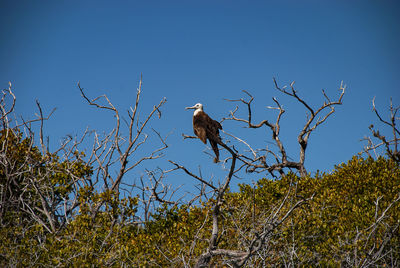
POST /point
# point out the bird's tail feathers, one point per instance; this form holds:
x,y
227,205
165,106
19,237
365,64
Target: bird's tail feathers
x,y
214,146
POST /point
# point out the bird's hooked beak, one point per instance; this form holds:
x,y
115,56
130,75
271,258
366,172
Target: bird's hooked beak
x,y
193,107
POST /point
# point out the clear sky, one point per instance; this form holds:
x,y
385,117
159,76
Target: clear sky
x,y
205,51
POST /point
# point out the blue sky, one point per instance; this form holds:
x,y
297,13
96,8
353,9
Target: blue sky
x,y
205,51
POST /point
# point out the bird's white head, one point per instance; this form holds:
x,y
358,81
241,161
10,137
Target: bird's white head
x,y
197,107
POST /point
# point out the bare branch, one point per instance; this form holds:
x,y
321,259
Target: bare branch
x,y
390,144
192,175
4,111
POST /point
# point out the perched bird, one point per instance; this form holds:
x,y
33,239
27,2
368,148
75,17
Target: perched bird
x,y
206,128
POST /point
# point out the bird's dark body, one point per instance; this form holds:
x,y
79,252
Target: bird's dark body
x,y
207,129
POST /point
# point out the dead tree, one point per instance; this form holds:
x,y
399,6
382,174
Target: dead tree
x,y
117,152
390,145
257,162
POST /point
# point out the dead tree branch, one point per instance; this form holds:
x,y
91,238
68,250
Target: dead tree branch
x,y
6,93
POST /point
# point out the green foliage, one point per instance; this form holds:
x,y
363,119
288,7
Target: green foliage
x,y
33,190
351,216
31,182
343,220
343,217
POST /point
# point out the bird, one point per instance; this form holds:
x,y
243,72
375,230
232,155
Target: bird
x,y
206,128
